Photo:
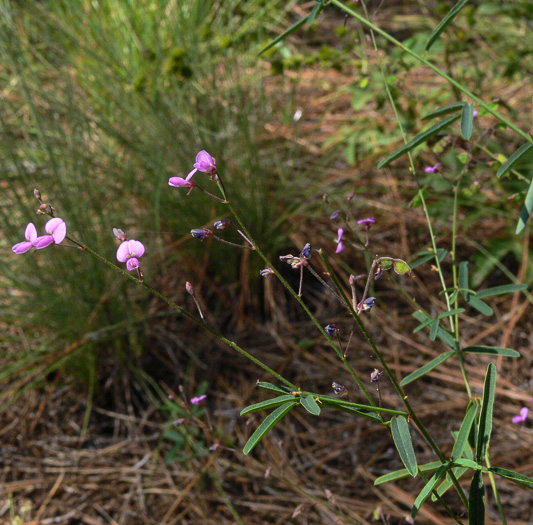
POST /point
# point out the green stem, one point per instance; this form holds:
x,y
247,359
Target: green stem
x,y
495,490
439,72
189,316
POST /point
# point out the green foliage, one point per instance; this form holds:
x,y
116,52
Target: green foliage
x,y
404,444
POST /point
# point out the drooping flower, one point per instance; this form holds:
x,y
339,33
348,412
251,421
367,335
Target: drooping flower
x,y
366,305
201,233
130,252
432,169
340,243
30,234
180,182
522,417
306,251
335,215
367,223
222,224
266,272
198,400
56,230
331,329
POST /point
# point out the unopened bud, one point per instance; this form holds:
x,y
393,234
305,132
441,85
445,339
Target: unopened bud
x,y
43,207
190,288
352,280
375,375
119,234
339,390
331,329
37,194
223,224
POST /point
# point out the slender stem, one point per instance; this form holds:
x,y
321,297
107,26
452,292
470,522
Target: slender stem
x,y
232,243
186,314
211,194
439,72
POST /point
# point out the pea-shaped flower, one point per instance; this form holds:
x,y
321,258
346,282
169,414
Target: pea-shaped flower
x,y
56,230
205,163
30,235
130,252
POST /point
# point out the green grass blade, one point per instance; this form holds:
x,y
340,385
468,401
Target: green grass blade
x,y
526,209
285,34
491,350
500,290
479,305
404,473
404,444
434,363
450,108
265,405
476,500
419,139
513,476
427,490
485,417
467,121
310,405
462,437
514,158
267,425
274,388
443,24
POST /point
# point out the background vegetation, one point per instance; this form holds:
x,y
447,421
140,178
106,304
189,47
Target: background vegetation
x,y
102,101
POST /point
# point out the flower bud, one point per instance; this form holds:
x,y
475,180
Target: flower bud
x,y
331,329
37,194
201,233
223,224
266,273
306,252
190,288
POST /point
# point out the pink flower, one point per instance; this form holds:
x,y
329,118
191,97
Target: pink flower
x,y
340,243
130,252
56,230
198,400
180,182
367,222
432,169
522,417
30,234
205,163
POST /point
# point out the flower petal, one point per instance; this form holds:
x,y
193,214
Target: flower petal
x,y
132,264
22,247
31,232
52,224
43,241
60,232
191,174
136,248
123,252
177,182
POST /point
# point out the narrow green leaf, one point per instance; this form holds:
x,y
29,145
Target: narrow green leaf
x,y
476,500
513,476
285,34
274,388
434,330
427,490
443,24
310,405
267,424
467,121
514,158
423,325
428,256
485,417
404,473
447,483
500,290
467,463
404,444
346,407
449,313
526,209
462,437
491,350
443,334
314,13
265,405
463,277
419,139
479,305
426,368
450,108
453,296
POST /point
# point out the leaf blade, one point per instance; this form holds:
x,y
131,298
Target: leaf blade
x,y
309,403
419,139
491,350
462,437
427,490
485,417
467,121
476,500
285,34
404,444
443,24
514,158
265,405
266,425
445,110
423,370
500,290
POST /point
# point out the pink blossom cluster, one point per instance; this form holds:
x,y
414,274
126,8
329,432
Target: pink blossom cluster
x,y
56,231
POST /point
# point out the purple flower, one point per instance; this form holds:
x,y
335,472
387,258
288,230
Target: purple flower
x,y
366,305
306,251
335,215
475,113
130,252
522,417
30,234
56,230
201,233
432,169
331,329
198,400
180,182
367,222
222,224
204,163
266,273
340,243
